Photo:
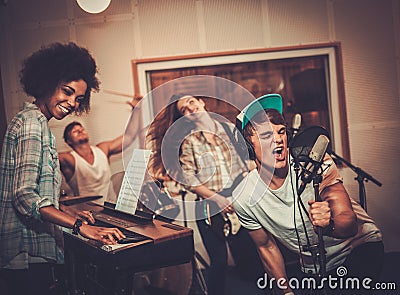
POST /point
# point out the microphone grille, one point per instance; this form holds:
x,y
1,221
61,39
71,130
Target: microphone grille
x,y
318,151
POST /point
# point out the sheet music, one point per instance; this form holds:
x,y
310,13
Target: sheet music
x,y
132,182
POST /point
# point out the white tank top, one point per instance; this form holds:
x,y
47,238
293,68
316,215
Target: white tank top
x,y
91,180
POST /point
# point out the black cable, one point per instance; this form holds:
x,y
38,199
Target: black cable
x,y
294,215
301,215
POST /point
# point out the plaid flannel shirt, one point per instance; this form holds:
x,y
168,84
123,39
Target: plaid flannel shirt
x,y
200,163
30,179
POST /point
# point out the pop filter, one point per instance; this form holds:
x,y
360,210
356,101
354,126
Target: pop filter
x,y
301,145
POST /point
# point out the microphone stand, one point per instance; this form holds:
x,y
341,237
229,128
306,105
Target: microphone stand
x,y
321,245
318,249
362,177
197,271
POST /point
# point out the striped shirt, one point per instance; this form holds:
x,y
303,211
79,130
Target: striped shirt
x,y
30,179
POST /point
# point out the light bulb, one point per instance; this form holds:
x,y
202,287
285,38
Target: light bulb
x,y
93,6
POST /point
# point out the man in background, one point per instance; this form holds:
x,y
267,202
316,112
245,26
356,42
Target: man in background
x,y
87,167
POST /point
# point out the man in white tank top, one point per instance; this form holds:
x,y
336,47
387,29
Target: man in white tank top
x,y
86,168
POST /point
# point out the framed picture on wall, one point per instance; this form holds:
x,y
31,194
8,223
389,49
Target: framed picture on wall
x,y
309,78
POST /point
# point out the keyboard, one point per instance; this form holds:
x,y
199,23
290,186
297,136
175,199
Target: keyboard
x,y
110,221
131,237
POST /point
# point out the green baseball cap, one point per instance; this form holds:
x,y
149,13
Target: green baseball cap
x,y
268,101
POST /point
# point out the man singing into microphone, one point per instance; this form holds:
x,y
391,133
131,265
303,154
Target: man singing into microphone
x,y
267,204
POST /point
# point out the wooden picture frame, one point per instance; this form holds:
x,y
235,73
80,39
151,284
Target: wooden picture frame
x,y
309,78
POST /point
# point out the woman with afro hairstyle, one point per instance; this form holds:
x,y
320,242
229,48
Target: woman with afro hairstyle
x,y
60,78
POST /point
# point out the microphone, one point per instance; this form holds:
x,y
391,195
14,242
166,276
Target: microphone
x,y
316,157
296,123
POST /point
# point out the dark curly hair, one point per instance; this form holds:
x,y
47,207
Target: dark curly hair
x,y
44,70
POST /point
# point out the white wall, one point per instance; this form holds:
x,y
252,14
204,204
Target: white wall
x,y
369,32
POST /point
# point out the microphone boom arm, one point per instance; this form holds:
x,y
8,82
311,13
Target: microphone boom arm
x,y
362,177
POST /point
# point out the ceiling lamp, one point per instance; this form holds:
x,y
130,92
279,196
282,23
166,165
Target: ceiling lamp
x,y
93,6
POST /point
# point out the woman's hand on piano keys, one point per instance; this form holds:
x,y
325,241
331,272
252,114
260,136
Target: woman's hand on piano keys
x,y
86,216
106,235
